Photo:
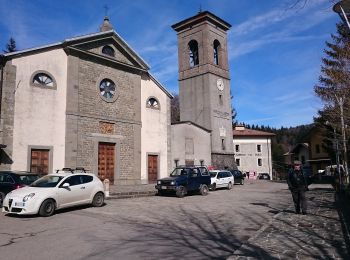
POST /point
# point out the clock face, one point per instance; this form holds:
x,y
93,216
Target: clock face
x,y
220,84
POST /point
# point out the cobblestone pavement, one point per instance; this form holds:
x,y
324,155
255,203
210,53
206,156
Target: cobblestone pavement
x,y
318,235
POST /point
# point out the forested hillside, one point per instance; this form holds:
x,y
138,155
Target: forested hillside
x,y
285,139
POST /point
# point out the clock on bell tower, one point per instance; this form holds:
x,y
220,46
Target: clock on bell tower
x,y
204,81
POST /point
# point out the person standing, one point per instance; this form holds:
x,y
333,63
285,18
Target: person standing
x,y
298,186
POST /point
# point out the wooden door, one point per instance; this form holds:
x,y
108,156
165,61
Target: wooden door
x,y
106,161
39,161
152,168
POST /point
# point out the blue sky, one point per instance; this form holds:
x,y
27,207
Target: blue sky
x,y
274,51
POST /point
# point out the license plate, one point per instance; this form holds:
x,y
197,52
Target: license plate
x,y
164,187
19,204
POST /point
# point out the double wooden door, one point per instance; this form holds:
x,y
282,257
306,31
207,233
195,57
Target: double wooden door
x,y
106,161
39,161
152,168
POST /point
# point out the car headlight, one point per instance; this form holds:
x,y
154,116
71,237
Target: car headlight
x,y
172,183
27,197
159,182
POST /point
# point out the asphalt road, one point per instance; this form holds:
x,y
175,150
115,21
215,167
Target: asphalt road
x,y
195,227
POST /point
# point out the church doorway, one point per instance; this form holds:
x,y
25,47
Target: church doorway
x,y
152,168
106,161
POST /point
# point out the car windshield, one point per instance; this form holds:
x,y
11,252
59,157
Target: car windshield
x,y
47,181
212,174
28,179
179,172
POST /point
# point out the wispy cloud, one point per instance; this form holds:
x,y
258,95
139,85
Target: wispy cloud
x,y
260,30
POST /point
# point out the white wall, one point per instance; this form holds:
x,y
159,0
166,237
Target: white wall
x,y
201,144
39,117
249,155
154,131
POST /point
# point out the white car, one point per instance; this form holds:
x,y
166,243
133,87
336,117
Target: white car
x,y
221,179
55,191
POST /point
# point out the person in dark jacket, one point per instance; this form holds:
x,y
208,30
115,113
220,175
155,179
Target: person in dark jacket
x,y
297,185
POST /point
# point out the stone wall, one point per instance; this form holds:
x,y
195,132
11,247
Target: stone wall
x,y
7,115
222,161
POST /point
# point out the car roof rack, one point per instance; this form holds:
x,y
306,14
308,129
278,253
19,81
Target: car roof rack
x,y
80,169
66,169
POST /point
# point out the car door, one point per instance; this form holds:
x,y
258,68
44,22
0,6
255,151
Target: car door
x,y
7,183
225,179
193,179
72,195
219,179
87,187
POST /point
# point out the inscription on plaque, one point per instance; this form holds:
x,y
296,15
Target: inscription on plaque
x,y
221,114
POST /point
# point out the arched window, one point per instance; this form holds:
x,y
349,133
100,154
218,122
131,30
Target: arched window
x,y
107,89
193,51
108,50
43,79
153,103
216,47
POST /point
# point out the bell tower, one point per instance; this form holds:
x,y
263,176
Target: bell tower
x,y
204,81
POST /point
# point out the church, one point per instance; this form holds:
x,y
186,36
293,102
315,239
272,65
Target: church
x,y
90,101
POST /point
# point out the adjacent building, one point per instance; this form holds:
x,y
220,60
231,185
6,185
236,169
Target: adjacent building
x,y
252,150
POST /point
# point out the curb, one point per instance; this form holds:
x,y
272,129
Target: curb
x,y
130,194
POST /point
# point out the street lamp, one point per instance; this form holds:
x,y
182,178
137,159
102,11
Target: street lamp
x,y
342,8
336,146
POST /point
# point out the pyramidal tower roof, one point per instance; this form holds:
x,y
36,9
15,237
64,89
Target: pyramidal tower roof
x,y
106,25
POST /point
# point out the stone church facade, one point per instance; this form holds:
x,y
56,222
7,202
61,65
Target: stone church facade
x,y
87,102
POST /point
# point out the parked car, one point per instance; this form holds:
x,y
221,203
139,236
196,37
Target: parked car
x,y
238,176
264,176
184,179
11,180
221,179
55,191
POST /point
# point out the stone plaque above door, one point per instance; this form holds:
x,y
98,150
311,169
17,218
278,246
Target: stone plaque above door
x,y
106,128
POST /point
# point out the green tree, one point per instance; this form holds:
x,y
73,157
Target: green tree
x,y
334,83
175,109
10,46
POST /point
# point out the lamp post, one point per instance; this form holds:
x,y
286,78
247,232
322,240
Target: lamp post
x,y
342,8
336,147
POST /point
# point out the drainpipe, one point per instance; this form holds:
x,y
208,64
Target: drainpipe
x,y
268,157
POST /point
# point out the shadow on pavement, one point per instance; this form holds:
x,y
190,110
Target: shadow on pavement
x,y
343,207
197,235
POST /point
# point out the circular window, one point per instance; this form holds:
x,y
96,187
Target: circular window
x,y
108,50
107,89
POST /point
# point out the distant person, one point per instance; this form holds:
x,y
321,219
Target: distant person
x,y
297,185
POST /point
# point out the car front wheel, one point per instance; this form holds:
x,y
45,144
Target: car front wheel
x,y
242,181
181,192
47,208
213,186
98,199
229,186
204,190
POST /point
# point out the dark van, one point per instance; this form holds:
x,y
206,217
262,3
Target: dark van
x,y
184,179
